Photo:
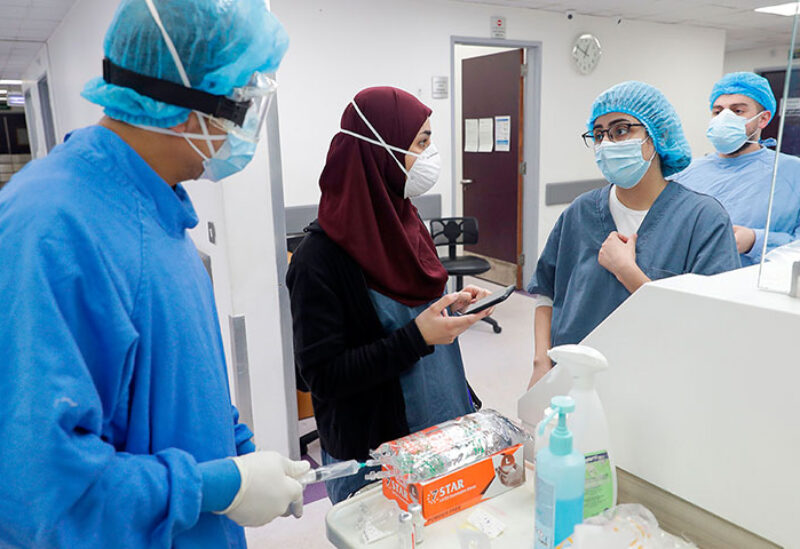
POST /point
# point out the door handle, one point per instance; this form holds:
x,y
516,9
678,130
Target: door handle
x,y
466,181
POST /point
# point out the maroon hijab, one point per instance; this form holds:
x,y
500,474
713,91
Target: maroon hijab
x,y
362,207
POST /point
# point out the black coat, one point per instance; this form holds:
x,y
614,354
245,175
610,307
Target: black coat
x,y
342,353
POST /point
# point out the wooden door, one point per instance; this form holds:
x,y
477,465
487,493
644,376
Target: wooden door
x,y
492,90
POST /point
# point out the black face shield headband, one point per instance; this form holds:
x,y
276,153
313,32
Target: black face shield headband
x,y
171,93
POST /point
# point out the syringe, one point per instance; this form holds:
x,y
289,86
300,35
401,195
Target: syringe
x,y
332,471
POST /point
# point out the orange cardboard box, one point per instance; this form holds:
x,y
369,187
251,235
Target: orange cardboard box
x,y
446,495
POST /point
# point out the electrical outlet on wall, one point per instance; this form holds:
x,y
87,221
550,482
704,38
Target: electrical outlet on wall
x,y
212,233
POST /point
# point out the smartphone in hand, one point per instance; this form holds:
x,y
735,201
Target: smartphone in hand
x,y
490,300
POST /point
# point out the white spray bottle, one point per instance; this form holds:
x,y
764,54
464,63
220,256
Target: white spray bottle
x,y
588,425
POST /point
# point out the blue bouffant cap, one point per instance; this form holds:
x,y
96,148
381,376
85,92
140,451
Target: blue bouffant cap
x,y
220,43
748,84
652,109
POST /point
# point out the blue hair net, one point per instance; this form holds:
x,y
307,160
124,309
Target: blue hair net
x,y
652,109
221,43
748,84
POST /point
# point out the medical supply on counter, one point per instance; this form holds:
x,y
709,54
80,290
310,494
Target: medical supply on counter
x,y
473,539
419,522
448,446
588,426
534,405
629,525
405,532
332,471
486,523
453,465
560,477
378,520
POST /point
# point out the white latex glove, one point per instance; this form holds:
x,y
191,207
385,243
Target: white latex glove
x,y
268,490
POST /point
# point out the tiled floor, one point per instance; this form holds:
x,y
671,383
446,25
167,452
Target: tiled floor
x,y
498,368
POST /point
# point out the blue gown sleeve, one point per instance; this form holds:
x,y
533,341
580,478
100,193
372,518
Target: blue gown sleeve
x,y
776,239
243,435
712,249
68,355
543,281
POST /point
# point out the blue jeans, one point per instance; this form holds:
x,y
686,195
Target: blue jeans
x,y
339,489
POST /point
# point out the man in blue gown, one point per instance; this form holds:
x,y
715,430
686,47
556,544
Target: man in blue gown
x,y
739,175
116,423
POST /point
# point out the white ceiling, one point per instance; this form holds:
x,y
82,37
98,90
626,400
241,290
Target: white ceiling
x,y
745,28
26,24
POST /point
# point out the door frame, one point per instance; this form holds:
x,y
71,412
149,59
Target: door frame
x,y
531,114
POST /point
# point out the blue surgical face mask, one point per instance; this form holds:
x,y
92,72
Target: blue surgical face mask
x,y
728,132
231,157
234,154
622,162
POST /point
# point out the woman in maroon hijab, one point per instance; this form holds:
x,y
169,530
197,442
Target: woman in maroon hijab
x,y
373,339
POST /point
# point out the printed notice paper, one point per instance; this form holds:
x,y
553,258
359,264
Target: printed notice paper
x,y
502,133
486,135
471,135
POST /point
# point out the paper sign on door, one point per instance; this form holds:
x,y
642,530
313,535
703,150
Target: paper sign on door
x,y
502,133
471,135
486,135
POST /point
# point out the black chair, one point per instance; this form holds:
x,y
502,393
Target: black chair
x,y
450,232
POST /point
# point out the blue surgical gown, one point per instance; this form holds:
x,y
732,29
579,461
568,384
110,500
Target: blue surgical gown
x,y
112,376
742,184
684,232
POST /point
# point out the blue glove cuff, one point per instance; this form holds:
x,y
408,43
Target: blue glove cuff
x,y
221,482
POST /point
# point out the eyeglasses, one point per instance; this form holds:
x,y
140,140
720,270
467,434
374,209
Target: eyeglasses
x,y
617,132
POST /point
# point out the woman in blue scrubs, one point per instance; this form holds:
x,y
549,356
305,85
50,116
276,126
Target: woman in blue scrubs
x,y
640,227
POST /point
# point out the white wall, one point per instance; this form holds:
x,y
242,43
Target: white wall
x,y
337,50
756,60
246,277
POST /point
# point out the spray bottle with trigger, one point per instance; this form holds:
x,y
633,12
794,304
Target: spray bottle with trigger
x,y
588,425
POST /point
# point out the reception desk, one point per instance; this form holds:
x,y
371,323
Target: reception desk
x,y
703,398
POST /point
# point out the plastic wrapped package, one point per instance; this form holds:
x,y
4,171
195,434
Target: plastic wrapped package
x,y
448,446
628,526
378,521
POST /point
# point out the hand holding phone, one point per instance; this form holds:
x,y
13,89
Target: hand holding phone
x,y
490,300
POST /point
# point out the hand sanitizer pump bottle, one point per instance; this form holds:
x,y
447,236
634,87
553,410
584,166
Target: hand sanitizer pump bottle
x,y
560,476
589,426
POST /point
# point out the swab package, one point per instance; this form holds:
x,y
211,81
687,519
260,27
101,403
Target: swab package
x,y
453,465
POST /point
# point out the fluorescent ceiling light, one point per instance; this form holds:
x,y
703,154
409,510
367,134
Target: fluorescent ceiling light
x,y
789,9
3,92
11,82
16,101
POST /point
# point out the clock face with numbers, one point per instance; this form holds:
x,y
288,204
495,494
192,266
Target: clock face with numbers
x,y
586,53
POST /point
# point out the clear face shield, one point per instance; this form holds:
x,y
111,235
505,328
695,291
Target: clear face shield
x,y
259,93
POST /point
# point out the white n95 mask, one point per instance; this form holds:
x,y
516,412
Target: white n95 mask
x,y
423,173
728,132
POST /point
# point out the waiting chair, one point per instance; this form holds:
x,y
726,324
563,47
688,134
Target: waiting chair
x,y
451,232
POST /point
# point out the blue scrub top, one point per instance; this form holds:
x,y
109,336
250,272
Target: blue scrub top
x,y
742,184
113,375
683,232
435,388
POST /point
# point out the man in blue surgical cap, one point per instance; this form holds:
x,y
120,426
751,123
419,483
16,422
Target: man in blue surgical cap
x,y
739,175
116,423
